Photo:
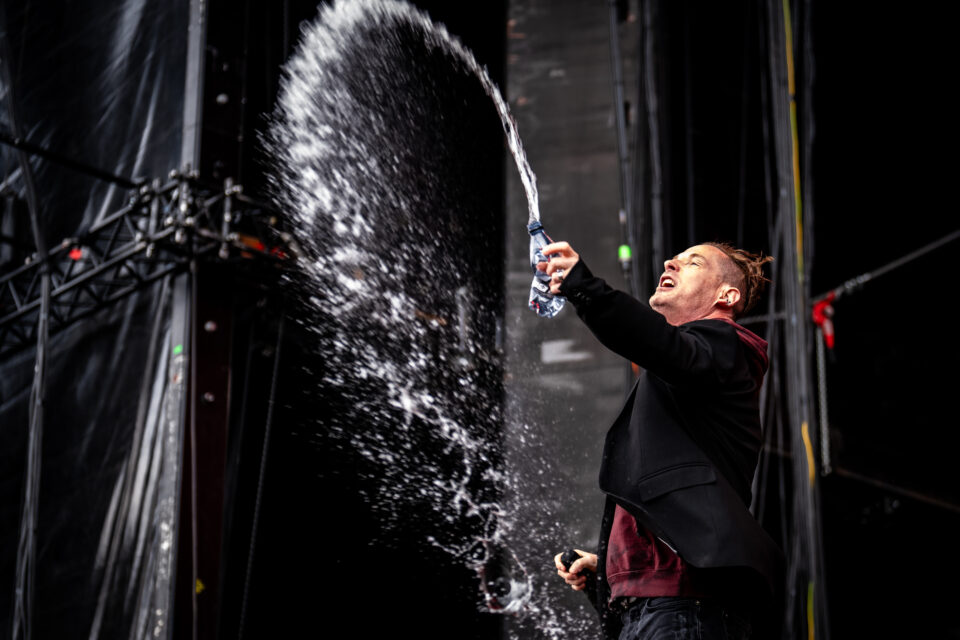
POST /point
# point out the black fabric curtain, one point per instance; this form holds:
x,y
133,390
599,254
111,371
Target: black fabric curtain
x,y
97,89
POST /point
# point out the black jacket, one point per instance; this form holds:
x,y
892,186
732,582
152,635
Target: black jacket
x,y
681,455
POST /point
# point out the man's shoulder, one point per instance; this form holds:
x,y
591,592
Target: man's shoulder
x,y
717,327
727,339
720,338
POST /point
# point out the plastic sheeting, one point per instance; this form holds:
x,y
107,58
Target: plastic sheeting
x,y
101,83
108,472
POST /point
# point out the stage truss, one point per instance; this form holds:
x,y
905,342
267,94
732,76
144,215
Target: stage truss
x,y
163,227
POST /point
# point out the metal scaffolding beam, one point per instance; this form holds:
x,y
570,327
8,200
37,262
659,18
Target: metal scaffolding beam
x,y
160,229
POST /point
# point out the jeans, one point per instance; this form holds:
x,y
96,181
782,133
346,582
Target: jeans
x,y
672,618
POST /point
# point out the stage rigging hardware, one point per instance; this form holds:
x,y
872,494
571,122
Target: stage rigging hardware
x,y
161,228
822,312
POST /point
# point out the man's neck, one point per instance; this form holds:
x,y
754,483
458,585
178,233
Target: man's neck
x,y
719,314
713,314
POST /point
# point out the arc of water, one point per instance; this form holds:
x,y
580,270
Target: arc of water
x,y
346,13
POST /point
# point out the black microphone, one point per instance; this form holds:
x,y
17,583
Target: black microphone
x,y
568,558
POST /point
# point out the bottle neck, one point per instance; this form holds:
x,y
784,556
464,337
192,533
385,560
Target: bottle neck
x,y
534,228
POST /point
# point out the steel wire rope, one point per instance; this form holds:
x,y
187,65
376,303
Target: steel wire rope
x,y
857,282
825,463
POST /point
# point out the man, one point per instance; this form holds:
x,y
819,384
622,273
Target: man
x,y
679,550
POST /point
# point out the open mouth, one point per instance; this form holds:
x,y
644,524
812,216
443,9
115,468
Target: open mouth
x,y
667,282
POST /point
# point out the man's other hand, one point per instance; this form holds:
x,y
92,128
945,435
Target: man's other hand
x,y
576,577
562,258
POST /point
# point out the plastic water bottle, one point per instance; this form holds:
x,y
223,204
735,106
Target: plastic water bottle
x,y
544,303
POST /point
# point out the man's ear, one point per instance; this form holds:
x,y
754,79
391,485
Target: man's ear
x,y
729,297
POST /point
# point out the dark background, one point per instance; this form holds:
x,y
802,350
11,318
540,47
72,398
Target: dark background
x,y
881,191
891,508
325,562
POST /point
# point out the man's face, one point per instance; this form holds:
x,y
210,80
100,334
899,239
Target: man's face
x,y
691,285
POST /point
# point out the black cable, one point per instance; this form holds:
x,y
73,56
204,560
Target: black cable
x,y
22,145
623,152
744,120
260,479
131,464
808,130
768,174
652,108
26,546
244,81
627,226
688,126
194,525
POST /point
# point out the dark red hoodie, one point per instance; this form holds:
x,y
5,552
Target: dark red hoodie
x,y
756,350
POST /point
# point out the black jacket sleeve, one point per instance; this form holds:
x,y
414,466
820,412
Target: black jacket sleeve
x,y
701,352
